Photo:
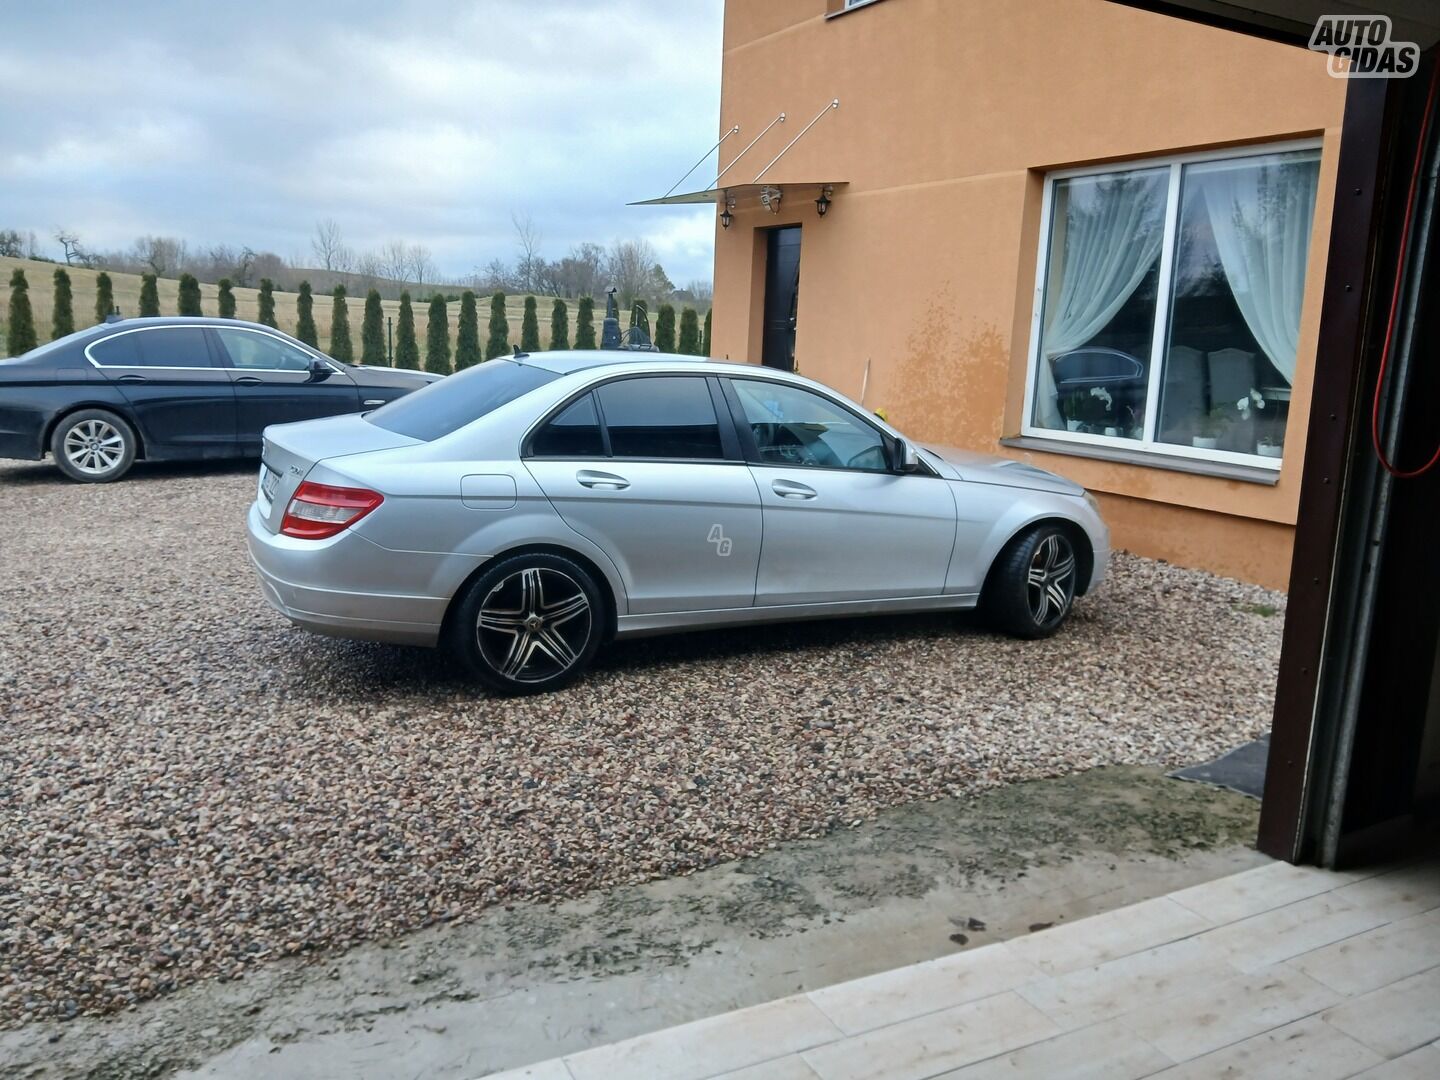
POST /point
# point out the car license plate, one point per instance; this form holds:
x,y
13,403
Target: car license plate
x,y
269,482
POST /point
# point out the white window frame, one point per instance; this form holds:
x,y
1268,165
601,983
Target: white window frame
x,y
1146,444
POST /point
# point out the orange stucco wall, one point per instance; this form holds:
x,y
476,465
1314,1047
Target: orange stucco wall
x,y
951,113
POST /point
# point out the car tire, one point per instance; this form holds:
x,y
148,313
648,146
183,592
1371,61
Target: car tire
x,y
94,446
529,624
1031,587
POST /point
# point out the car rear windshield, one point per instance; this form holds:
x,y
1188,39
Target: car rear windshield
x,y
454,401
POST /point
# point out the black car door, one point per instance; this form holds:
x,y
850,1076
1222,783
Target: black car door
x,y
182,402
276,382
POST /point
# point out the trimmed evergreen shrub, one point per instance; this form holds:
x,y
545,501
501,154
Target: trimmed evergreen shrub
x,y
407,352
665,329
20,324
705,338
530,328
372,331
149,296
104,296
689,343
467,340
437,337
585,323
498,341
226,299
267,304
341,347
189,295
305,317
559,325
62,316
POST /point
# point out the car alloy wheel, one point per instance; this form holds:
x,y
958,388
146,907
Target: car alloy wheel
x,y
1031,586
94,446
1050,584
534,624
529,623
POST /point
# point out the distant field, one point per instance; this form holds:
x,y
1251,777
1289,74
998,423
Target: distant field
x,y
40,276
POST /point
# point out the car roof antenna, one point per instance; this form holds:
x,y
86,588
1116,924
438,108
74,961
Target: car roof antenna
x,y
518,354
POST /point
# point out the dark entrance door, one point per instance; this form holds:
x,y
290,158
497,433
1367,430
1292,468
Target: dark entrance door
x,y
782,293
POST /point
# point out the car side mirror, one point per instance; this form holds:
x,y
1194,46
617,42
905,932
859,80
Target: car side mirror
x,y
319,370
906,460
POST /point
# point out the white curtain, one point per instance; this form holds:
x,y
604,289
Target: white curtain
x,y
1260,215
1112,234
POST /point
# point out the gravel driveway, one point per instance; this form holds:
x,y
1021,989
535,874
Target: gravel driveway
x,y
188,786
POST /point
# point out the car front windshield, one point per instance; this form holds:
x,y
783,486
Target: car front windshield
x,y
456,400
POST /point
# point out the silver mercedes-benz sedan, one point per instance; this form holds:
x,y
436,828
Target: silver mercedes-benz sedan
x,y
525,510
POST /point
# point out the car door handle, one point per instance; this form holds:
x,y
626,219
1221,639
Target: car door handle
x,y
132,378
789,489
602,480
249,380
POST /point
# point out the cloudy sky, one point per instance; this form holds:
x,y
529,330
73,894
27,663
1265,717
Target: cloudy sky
x,y
245,124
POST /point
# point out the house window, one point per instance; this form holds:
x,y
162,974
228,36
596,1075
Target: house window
x,y
1167,309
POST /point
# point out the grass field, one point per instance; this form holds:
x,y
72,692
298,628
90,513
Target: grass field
x,y
40,276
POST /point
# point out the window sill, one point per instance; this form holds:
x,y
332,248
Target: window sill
x,y
1248,474
843,10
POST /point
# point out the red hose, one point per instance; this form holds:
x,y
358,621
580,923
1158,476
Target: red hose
x,y
1395,296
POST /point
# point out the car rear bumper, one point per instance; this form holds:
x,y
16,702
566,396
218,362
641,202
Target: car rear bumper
x,y
329,586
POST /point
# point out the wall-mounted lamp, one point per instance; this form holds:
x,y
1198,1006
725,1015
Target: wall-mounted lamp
x,y
726,218
823,202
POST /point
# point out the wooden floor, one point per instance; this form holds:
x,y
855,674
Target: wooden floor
x,y
1279,971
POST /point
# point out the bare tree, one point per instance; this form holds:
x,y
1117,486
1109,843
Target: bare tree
x,y
631,267
367,269
395,261
160,254
702,289
12,243
422,266
70,244
527,241
329,246
494,276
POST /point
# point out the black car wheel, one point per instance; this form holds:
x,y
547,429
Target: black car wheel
x,y
94,446
530,623
1031,587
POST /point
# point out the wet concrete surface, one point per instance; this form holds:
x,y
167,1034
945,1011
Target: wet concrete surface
x,y
529,981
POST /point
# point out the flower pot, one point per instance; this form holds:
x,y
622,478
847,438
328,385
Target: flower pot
x,y
1113,432
1204,442
1073,425
1270,450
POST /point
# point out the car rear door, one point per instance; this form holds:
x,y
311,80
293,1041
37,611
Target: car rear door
x,y
644,467
840,524
182,401
274,383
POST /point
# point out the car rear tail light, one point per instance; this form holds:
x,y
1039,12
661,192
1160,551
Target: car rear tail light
x,y
317,511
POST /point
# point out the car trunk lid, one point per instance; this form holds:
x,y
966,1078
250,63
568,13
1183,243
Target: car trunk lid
x,y
290,451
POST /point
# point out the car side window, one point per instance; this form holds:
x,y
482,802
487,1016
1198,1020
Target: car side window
x,y
173,347
574,432
117,351
261,352
661,417
795,426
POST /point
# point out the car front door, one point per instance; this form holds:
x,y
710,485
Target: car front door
x,y
275,383
644,467
181,400
840,524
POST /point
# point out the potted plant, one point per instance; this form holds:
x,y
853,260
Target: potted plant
x,y
1095,409
1210,427
1070,411
1268,447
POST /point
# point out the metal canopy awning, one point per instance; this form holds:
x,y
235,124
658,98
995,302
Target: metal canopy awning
x,y
740,193
731,195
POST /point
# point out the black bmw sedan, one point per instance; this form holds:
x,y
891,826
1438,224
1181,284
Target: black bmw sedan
x,y
169,389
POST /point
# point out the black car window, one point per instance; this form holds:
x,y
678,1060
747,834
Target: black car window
x,y
117,351
261,352
666,417
172,347
454,401
575,432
